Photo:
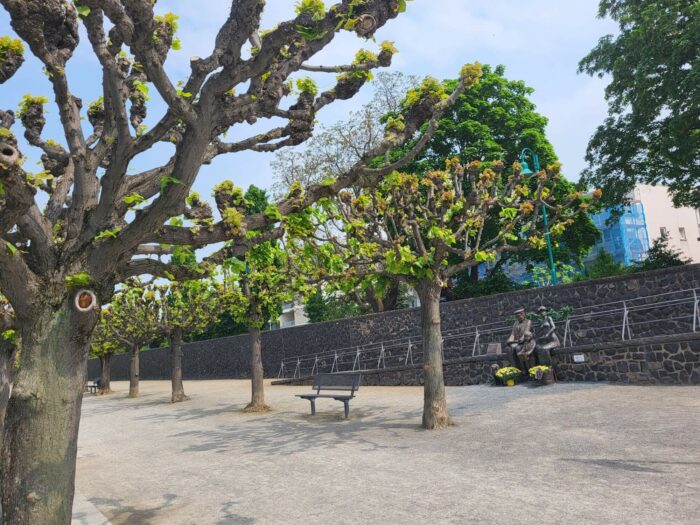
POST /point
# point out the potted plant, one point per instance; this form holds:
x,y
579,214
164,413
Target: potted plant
x,y
508,375
543,375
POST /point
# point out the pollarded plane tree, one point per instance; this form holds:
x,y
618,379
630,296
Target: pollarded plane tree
x,y
103,347
184,308
425,227
253,290
131,320
87,235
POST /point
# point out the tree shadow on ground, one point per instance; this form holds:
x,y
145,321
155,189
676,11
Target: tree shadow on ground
x,y
286,433
120,513
231,518
631,465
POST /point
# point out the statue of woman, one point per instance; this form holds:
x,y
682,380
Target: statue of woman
x,y
547,332
547,338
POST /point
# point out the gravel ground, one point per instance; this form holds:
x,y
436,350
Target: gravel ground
x,y
567,453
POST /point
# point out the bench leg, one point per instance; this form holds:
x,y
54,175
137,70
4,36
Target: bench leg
x,y
313,406
347,408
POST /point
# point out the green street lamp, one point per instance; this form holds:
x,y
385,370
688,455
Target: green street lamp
x,y
527,171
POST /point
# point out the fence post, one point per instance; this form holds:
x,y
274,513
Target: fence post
x,y
381,358
567,332
315,367
696,311
297,370
625,323
409,354
279,375
356,362
334,366
476,341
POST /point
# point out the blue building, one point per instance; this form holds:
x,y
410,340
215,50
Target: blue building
x,y
626,238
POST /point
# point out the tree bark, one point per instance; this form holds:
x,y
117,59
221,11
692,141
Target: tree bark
x,y
435,413
134,372
105,374
43,416
257,403
176,366
474,274
7,372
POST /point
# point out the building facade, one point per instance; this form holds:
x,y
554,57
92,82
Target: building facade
x,y
649,215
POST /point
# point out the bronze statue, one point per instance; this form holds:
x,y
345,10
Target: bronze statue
x,y
547,333
522,341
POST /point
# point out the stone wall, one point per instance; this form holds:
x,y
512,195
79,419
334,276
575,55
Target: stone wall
x,y
228,357
664,360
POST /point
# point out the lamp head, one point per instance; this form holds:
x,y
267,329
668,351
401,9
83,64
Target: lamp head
x,y
526,168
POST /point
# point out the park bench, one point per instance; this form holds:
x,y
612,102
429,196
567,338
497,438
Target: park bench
x,y
92,386
339,382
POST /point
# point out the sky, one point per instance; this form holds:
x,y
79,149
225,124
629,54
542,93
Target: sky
x,y
539,42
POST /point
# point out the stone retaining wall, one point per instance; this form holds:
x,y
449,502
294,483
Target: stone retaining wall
x,y
228,357
665,360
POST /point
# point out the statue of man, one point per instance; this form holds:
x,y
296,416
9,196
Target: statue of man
x,y
522,340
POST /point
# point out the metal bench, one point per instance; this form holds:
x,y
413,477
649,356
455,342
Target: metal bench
x,y
92,386
340,381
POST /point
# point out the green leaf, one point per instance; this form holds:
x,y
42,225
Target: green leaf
x,y
133,200
11,248
107,234
273,213
167,181
78,280
82,10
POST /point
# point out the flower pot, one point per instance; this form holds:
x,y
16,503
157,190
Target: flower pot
x,y
548,378
510,382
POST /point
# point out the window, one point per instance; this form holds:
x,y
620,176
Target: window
x,y
681,233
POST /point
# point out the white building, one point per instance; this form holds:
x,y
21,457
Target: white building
x,y
682,225
293,315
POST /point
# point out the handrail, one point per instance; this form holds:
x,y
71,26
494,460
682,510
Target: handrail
x,y
411,347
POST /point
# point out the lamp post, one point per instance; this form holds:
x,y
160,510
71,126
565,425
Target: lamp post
x,y
527,171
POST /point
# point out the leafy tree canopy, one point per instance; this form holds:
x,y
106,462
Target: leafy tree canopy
x,y
652,132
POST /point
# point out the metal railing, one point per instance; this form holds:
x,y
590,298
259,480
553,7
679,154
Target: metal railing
x,y
667,313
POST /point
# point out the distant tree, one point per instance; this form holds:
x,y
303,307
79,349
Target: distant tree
x,y
321,307
253,291
103,347
184,307
496,281
652,132
604,265
661,255
131,321
326,155
496,119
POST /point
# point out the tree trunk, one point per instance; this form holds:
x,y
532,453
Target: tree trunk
x,y
435,413
43,415
474,274
105,374
176,366
257,403
134,372
7,372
